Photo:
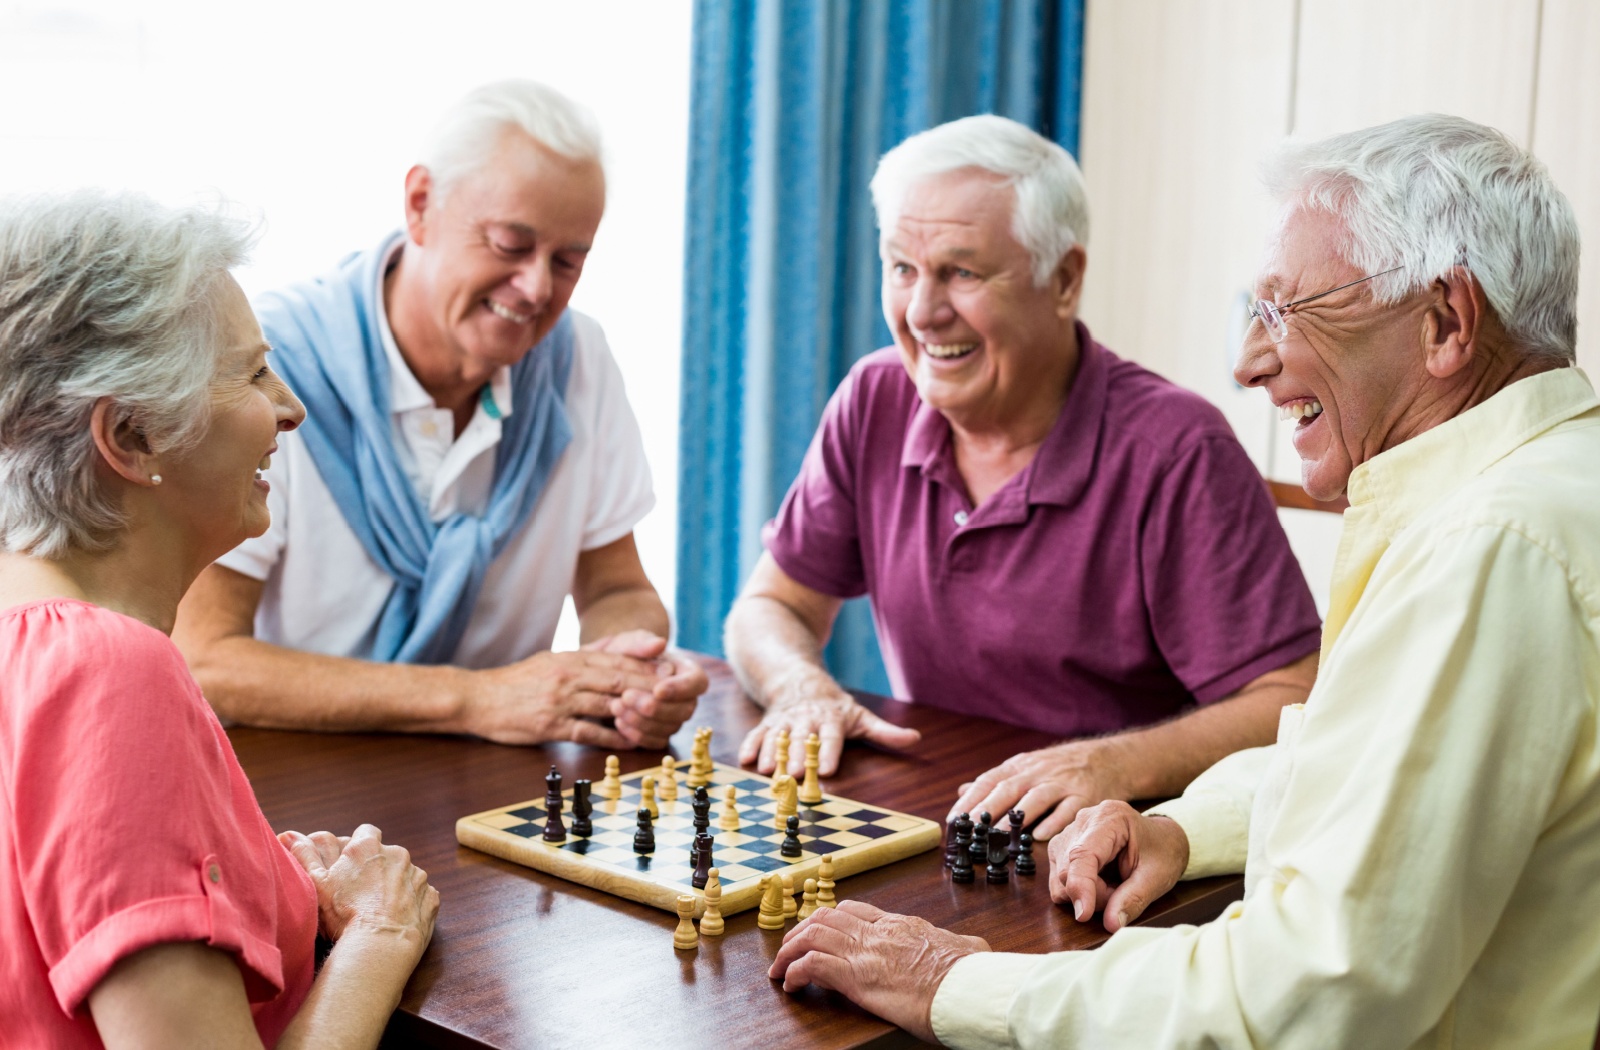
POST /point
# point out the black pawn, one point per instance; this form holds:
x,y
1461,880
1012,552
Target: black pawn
x,y
554,829
702,860
1017,819
791,838
999,870
985,819
644,840
1025,855
961,868
978,847
581,808
952,840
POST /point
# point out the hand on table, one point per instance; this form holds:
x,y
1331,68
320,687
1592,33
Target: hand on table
x,y
827,711
889,964
648,719
1053,783
363,884
560,696
1151,853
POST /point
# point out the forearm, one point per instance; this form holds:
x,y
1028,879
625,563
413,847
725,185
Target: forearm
x,y
625,609
251,682
358,989
772,651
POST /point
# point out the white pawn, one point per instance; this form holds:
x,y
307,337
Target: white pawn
x,y
669,779
729,819
808,900
789,906
611,786
711,921
647,797
825,897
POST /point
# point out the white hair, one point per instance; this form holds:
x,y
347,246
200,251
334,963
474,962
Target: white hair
x,y
101,296
468,134
1050,209
1431,192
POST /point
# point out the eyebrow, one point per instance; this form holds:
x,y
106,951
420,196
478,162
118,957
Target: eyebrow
x,y
953,253
523,229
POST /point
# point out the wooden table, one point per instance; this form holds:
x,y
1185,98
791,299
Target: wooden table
x,y
522,959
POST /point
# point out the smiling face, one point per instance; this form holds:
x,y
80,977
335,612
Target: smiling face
x,y
1350,371
216,485
498,254
983,344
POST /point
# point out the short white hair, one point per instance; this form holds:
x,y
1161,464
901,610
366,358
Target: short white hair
x,y
101,296
1050,208
471,130
1431,192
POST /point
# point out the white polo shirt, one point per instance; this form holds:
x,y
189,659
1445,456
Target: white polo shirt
x,y
324,594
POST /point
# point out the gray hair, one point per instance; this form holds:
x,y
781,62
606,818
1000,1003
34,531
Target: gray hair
x,y
1050,212
101,296
1431,192
470,130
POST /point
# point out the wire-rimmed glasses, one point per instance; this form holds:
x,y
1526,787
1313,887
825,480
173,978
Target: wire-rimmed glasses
x,y
1270,314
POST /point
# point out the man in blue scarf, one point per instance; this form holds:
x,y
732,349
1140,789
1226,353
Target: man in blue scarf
x,y
469,461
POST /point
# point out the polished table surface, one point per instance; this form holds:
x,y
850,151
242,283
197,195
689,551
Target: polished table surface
x,y
524,959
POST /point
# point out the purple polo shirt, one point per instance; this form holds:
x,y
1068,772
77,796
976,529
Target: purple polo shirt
x,y
1134,568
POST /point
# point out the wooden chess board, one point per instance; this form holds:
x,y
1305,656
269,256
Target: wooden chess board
x,y
857,836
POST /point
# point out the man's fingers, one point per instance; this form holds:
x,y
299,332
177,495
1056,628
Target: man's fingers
x,y
860,910
886,733
1059,818
1128,901
830,746
305,851
750,747
828,972
582,731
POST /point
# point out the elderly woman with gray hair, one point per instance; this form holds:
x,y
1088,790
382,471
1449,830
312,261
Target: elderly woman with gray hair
x,y
144,901
1420,845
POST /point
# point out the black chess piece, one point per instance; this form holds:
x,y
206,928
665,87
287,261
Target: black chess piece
x,y
1017,820
582,826
952,840
999,869
702,809
555,830
791,838
961,868
1025,855
644,840
986,820
978,847
702,860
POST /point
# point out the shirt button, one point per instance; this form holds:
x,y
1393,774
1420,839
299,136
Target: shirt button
x,y
214,873
961,518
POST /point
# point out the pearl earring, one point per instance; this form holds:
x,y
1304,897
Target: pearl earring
x,y
155,479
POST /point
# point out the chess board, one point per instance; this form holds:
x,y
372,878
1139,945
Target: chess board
x,y
857,836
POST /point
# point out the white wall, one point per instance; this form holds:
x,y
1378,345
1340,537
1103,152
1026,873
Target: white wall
x,y
309,115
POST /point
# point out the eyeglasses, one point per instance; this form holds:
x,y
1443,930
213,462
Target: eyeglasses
x,y
1271,314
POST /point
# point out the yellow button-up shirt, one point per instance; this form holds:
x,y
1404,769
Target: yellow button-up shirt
x,y
1422,845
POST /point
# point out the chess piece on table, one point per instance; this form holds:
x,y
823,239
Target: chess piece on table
x,y
1025,855
647,796
961,870
729,820
808,899
554,829
711,924
669,779
961,856
685,936
703,847
811,790
999,856
701,805
770,916
611,786
979,847
1017,819
700,759
791,839
780,754
644,839
789,906
582,826
825,898
787,794
953,841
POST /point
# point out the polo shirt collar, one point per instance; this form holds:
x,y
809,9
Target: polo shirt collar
x,y
1417,474
1062,467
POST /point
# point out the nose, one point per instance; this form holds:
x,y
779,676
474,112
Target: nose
x,y
291,413
929,309
534,281
1258,356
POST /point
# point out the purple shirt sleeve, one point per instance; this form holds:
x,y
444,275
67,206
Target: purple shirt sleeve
x,y
815,539
1227,599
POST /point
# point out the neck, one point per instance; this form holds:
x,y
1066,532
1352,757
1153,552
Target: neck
x,y
1501,366
451,380
137,578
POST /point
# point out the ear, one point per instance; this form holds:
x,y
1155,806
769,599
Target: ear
x,y
1067,282
121,444
419,194
1453,326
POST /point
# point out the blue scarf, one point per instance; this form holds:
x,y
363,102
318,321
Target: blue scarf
x,y
325,334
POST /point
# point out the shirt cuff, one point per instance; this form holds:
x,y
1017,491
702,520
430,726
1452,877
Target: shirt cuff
x,y
1218,839
974,999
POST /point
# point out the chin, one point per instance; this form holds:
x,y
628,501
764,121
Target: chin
x,y
1319,486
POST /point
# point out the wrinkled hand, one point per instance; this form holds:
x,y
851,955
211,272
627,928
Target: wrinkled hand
x,y
556,696
829,712
1151,853
1053,783
361,883
889,964
648,719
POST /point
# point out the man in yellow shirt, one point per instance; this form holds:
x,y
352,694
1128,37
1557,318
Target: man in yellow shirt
x,y
1421,846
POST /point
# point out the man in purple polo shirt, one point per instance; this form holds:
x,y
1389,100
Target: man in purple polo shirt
x,y
1051,536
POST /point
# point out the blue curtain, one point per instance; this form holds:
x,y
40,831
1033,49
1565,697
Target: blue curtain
x,y
791,105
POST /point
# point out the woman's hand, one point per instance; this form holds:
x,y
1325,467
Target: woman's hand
x,y
361,883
